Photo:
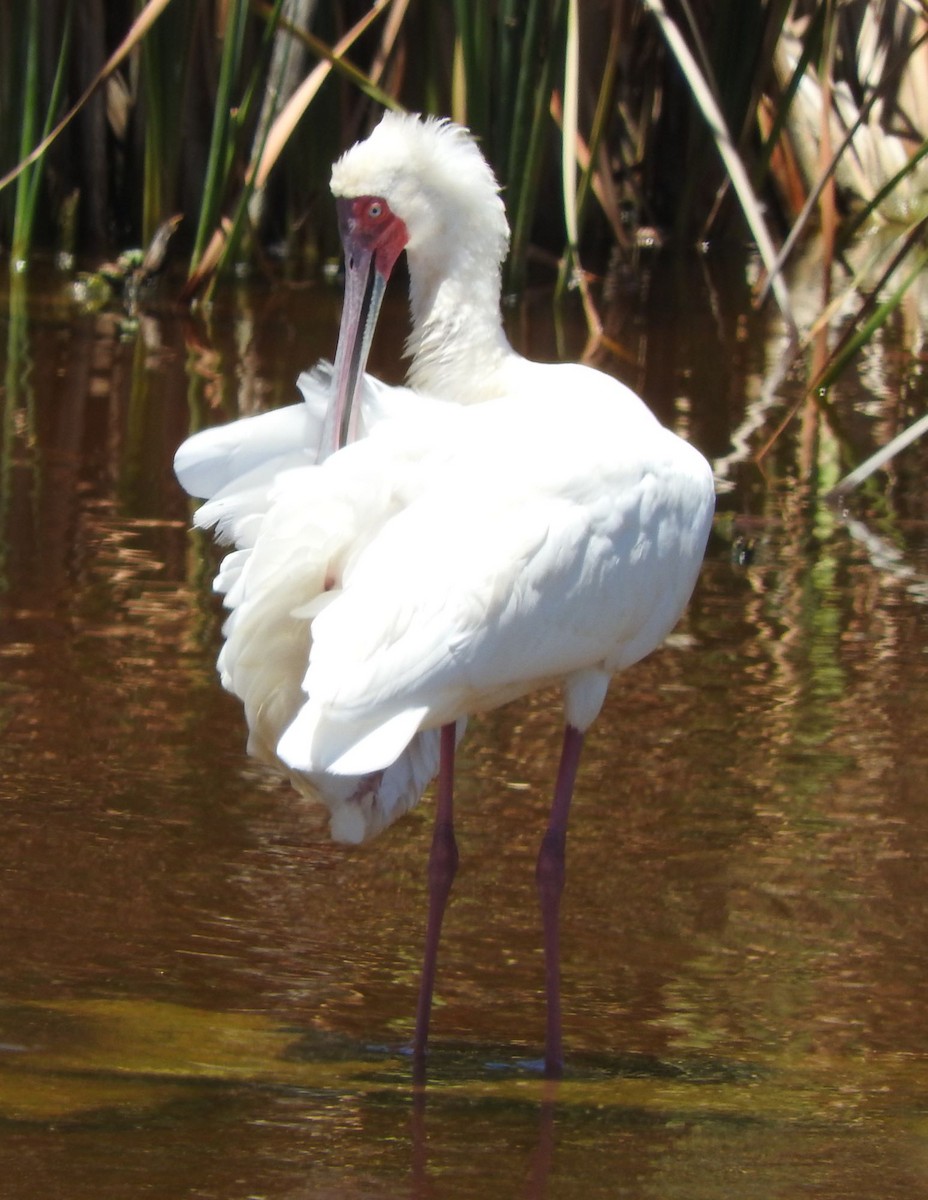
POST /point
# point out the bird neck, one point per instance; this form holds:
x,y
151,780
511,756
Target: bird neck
x,y
457,344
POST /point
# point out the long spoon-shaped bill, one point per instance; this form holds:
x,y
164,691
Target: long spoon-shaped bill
x,y
373,238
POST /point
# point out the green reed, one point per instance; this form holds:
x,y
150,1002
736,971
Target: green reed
x,y
166,66
29,183
598,119
225,126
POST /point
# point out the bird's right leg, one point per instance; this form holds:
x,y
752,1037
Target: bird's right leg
x,y
443,863
549,875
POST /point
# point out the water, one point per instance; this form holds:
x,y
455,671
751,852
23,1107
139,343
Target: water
x,y
203,997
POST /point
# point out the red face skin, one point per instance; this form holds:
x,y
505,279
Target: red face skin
x,y
367,223
373,237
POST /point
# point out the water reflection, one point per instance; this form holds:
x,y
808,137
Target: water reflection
x,y
202,996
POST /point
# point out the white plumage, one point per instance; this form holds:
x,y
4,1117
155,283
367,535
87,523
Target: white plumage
x,y
533,554
496,526
294,527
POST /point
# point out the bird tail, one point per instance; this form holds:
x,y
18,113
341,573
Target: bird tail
x,y
316,740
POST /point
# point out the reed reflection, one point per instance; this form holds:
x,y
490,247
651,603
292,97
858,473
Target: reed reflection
x,y
746,893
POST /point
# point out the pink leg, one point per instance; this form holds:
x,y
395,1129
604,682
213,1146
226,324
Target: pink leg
x,y
443,863
549,875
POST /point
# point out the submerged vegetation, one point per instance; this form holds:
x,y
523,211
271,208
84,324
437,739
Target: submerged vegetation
x,y
610,125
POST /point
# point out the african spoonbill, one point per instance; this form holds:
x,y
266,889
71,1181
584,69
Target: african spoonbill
x,y
406,556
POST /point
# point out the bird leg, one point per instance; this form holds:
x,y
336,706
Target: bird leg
x,y
443,863
549,876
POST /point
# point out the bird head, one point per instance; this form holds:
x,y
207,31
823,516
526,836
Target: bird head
x,y
417,184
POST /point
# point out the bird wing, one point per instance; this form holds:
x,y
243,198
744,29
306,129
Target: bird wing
x,y
502,575
295,526
252,452
215,459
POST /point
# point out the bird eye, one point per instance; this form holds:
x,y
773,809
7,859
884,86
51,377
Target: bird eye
x,y
375,210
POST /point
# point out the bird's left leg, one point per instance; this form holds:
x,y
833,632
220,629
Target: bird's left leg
x,y
549,876
443,863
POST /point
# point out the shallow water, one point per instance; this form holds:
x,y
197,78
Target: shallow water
x,y
201,996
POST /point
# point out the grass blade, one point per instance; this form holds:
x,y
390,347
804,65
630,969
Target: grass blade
x,y
292,112
140,26
220,146
571,130
166,64
882,456
526,145
276,140
702,94
863,332
827,174
24,212
27,188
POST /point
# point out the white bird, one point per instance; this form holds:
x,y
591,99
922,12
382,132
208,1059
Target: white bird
x,y
497,526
